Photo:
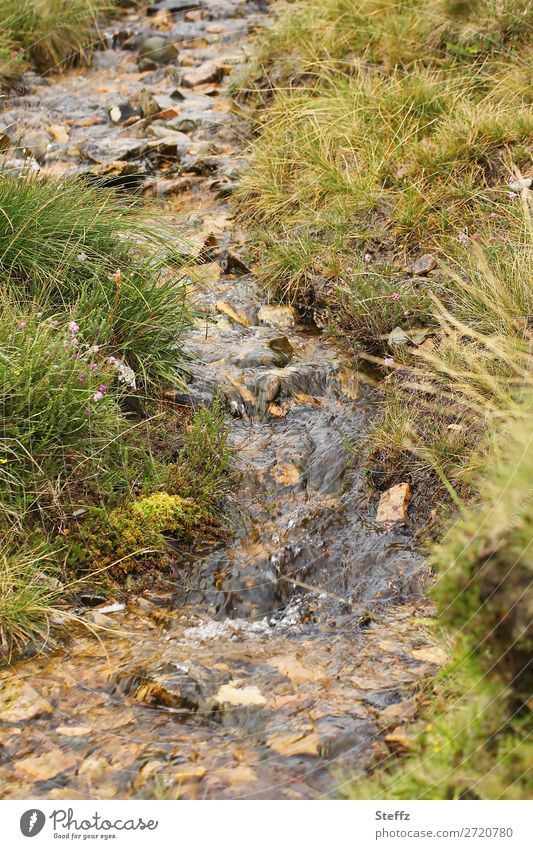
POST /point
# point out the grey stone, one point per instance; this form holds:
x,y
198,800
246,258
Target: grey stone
x,y
156,51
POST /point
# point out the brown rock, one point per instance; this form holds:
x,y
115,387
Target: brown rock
x,y
424,264
394,503
400,742
209,72
283,318
44,767
22,703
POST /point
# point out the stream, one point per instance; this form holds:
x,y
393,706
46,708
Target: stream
x,y
288,660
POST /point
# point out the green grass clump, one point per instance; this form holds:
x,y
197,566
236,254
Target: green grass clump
x,y
390,129
47,35
67,246
200,469
92,464
29,592
487,562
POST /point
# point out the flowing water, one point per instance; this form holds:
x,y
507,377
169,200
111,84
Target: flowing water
x,y
278,665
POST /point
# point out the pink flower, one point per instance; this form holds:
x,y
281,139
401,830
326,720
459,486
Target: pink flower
x,y
75,356
92,366
512,195
111,361
81,378
97,396
388,361
89,409
22,325
82,257
73,327
368,257
102,388
492,216
395,296
463,238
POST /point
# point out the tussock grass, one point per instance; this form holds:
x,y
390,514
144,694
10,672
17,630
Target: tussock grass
x,y
92,317
47,35
67,246
397,135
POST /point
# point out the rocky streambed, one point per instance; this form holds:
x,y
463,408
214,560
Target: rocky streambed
x,y
288,660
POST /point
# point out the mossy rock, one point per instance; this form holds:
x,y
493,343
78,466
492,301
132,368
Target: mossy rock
x,y
126,536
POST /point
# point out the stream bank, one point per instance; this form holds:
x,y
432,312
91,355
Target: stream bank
x,y
288,660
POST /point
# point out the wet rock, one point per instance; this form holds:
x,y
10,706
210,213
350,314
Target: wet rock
x,y
112,149
47,766
394,504
148,104
262,357
121,112
424,264
238,313
283,318
117,175
172,6
209,72
230,263
155,51
21,703
281,345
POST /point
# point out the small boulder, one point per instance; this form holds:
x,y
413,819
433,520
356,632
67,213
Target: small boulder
x,y
155,51
209,72
424,264
283,318
394,504
397,337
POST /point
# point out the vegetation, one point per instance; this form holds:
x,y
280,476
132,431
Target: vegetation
x,y
46,35
91,468
390,200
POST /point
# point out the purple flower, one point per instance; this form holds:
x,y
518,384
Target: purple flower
x,y
512,195
81,378
82,257
492,216
97,396
73,327
111,361
395,296
92,366
368,257
89,409
75,356
102,388
463,238
22,325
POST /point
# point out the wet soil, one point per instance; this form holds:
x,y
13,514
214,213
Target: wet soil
x,y
277,665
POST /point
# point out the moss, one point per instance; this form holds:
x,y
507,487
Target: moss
x,y
129,535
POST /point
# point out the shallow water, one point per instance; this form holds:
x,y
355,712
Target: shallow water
x,y
274,666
